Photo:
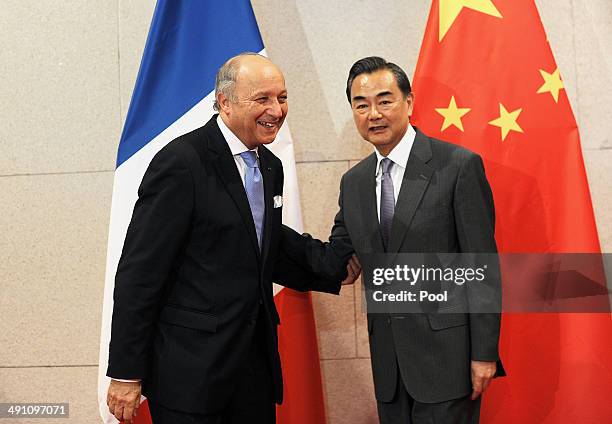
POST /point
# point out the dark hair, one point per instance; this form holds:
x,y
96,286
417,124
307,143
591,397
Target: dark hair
x,y
369,65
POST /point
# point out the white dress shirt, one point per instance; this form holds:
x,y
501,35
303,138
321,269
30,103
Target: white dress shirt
x,y
236,147
399,157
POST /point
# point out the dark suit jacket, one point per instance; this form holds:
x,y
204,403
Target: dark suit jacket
x,y
444,205
191,280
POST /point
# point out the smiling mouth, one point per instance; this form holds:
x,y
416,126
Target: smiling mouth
x,y
267,125
377,128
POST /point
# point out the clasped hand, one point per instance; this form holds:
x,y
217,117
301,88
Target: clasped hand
x,y
353,270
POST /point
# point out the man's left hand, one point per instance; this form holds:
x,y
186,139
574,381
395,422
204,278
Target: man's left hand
x,y
482,373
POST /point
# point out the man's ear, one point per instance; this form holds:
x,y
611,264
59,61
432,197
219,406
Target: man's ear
x,y
410,101
223,102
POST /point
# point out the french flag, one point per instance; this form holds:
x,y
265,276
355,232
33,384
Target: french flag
x,y
187,43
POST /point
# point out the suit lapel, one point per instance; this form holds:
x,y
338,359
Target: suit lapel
x,y
416,179
268,178
225,166
369,204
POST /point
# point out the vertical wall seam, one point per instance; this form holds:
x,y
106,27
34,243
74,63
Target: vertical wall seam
x,y
120,108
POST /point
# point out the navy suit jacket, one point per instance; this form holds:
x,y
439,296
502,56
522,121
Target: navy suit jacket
x,y
192,281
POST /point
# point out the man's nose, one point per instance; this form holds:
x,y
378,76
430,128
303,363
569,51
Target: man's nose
x,y
275,110
374,114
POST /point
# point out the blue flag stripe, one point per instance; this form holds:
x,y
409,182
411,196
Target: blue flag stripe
x,y
188,41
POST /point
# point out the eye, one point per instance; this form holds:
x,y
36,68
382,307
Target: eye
x,y
385,102
361,106
261,100
282,99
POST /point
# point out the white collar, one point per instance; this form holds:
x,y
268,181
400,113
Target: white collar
x,y
236,146
400,153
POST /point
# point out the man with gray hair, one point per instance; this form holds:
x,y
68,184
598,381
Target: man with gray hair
x,y
194,321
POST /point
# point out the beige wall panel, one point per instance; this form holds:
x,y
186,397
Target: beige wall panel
x,y
593,34
74,385
340,32
319,187
349,391
315,43
52,269
600,15
361,322
134,22
335,319
598,170
59,109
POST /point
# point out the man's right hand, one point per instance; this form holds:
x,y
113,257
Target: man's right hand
x,y
123,399
353,270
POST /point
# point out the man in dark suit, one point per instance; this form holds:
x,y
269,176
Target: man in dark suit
x,y
417,194
194,321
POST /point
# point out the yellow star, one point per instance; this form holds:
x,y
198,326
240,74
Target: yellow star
x,y
507,121
450,9
452,114
552,84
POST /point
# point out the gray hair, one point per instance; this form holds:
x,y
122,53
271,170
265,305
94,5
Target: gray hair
x,y
226,77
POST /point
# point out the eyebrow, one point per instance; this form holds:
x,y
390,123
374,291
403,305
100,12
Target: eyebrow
x,y
381,94
259,92
384,93
266,94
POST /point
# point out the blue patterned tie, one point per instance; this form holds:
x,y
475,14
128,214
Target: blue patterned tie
x,y
387,201
255,191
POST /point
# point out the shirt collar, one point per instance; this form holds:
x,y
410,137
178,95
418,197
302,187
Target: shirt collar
x,y
236,146
400,153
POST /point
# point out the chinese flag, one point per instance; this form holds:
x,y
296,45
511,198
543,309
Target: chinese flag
x,y
486,79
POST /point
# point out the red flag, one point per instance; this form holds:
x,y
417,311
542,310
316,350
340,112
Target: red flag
x,y
486,79
297,344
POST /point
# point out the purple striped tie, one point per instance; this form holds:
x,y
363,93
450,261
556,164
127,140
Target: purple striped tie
x,y
387,201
